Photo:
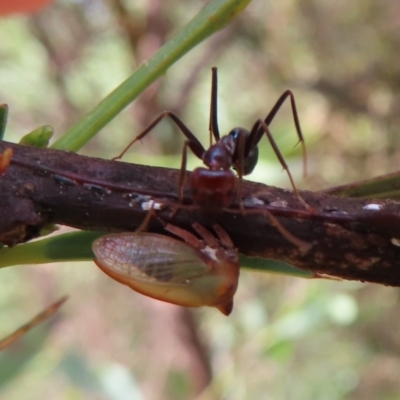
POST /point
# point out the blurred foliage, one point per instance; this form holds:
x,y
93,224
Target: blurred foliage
x,y
287,338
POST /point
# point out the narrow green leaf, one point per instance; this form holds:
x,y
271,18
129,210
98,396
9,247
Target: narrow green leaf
x,y
3,119
77,246
273,266
40,137
381,187
74,246
15,358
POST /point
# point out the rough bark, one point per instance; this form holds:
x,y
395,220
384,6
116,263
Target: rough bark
x,y
348,238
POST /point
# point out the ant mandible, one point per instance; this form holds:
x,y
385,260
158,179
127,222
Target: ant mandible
x,y
213,187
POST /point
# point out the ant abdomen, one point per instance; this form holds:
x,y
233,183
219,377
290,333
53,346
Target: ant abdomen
x,y
250,152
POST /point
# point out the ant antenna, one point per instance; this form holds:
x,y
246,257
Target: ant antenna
x,y
213,127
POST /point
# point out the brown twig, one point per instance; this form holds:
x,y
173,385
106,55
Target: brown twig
x,y
349,238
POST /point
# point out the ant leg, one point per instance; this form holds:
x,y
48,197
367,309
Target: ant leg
x,y
224,238
303,246
187,236
240,163
195,145
256,136
150,214
182,174
272,113
208,237
213,127
275,109
262,126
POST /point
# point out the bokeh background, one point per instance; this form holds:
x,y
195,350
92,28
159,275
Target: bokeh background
x,y
287,338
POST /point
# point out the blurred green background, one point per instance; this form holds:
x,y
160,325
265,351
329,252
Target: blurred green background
x,y
287,338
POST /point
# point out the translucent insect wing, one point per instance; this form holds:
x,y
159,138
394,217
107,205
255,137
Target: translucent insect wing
x,y
150,257
160,267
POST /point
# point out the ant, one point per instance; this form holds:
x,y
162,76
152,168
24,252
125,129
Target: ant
x,y
213,188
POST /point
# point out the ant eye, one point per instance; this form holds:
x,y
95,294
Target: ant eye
x,y
235,132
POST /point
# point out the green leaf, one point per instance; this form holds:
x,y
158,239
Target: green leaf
x,y
73,246
381,187
213,17
49,229
3,119
273,266
77,246
14,358
40,137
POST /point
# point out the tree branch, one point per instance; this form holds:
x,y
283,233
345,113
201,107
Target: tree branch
x,y
348,238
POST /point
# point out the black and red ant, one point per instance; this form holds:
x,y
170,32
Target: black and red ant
x,y
213,188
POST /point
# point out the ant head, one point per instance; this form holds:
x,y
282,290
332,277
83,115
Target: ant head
x,y
250,151
219,155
